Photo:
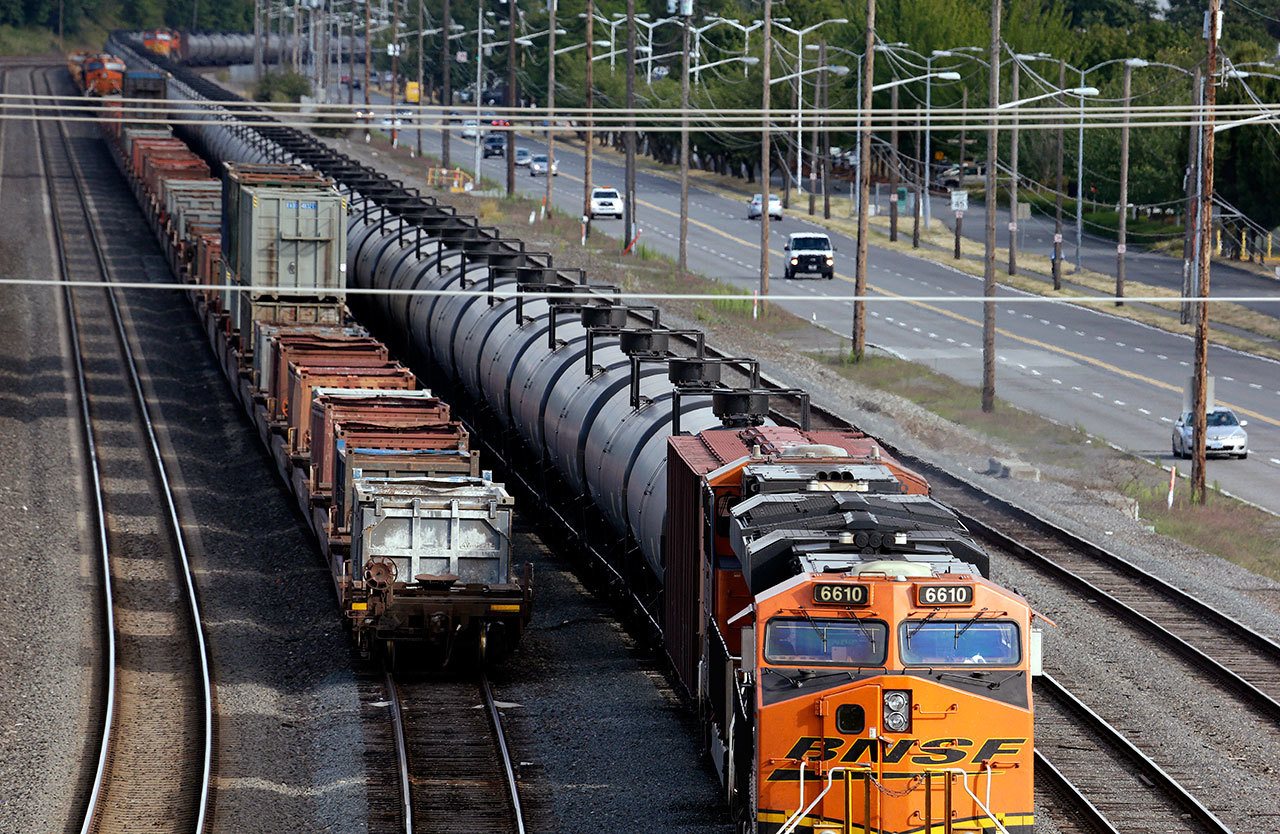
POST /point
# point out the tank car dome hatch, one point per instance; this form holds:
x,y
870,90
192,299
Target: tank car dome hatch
x,y
645,341
603,315
740,407
693,372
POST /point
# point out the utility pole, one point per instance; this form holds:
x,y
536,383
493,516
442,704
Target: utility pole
x,y
446,79
551,106
683,260
368,49
964,139
1013,164
1122,229
813,150
859,336
989,266
766,151
826,137
395,67
590,143
1199,386
512,99
421,91
257,36
893,166
1058,189
629,140
915,214
1190,253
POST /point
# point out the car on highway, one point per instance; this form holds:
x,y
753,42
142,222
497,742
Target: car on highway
x,y
404,112
754,210
1224,434
364,114
470,129
951,177
538,166
809,253
523,156
495,144
606,202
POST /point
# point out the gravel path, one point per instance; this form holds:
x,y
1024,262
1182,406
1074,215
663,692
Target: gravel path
x,y
289,738
50,608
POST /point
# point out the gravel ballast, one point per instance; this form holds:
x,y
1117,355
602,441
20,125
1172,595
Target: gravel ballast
x,y
50,583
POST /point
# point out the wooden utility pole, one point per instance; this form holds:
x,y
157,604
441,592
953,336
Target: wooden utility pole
x,y
590,143
1059,187
682,262
368,49
629,140
989,260
964,139
919,195
422,93
446,81
1124,184
1013,165
1190,256
893,166
766,150
864,186
395,67
551,104
512,14
1199,387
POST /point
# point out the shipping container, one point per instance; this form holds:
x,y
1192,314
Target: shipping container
x,y
369,406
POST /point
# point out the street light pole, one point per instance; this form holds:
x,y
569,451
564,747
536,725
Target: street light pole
x,y
1080,182
989,260
446,80
1199,405
368,47
765,149
893,166
1015,66
1058,189
551,105
867,79
826,137
629,141
590,102
683,260
1122,228
512,14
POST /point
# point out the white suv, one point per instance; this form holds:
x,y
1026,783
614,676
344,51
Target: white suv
x,y
755,203
809,253
606,202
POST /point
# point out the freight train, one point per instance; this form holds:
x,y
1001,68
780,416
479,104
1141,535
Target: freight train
x,y
97,75
832,623
416,536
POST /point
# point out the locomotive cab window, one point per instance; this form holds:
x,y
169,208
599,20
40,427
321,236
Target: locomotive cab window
x,y
825,641
959,643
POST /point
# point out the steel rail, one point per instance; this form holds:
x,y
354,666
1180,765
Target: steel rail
x,y
500,740
1149,769
157,460
1081,803
402,755
99,503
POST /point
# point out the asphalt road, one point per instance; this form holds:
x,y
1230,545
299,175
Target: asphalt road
x,y
1119,380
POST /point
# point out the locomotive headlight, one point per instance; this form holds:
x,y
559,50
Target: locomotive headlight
x,y
897,708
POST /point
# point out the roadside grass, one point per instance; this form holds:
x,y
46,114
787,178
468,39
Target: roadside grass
x,y
1066,453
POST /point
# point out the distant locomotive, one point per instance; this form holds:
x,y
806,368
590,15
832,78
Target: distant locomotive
x,y
854,668
101,75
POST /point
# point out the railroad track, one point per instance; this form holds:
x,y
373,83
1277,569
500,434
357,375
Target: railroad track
x,y
455,769
154,764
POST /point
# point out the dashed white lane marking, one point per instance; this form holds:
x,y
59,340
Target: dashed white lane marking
x,y
1034,372
1096,394
952,341
915,330
1062,327
848,303
1139,350
1276,462
1161,356
1076,388
1255,385
1045,322
1144,411
933,335
1100,338
1184,364
1055,380
1120,403
1079,332
965,344
1021,366
1229,378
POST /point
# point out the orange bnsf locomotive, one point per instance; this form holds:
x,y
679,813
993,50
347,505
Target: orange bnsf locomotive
x,y
856,671
102,75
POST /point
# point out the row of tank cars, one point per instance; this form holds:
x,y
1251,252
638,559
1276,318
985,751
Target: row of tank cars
x,y
417,537
853,668
227,48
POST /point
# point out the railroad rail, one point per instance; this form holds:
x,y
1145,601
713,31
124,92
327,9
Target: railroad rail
x,y
154,764
1129,790
455,769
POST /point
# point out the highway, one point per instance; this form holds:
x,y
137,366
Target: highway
x,y
1118,380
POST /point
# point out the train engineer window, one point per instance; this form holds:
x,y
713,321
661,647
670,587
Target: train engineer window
x,y
959,642
825,641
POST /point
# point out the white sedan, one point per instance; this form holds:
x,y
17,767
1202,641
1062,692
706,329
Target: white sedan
x,y
606,202
470,129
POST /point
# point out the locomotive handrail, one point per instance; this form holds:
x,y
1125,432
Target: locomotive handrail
x,y
964,782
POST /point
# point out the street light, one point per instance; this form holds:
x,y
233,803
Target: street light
x,y
954,52
1081,92
834,69
800,33
941,76
745,29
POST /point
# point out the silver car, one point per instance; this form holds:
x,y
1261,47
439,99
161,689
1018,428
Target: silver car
x,y
1224,435
538,166
755,203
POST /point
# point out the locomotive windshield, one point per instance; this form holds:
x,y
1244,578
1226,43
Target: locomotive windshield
x,y
825,642
959,642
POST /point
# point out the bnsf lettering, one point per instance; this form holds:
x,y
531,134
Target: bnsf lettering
x,y
938,751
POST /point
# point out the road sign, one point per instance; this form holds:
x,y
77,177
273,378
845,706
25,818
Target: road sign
x,y
959,200
1120,248
1057,238
960,216
1013,227
461,56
